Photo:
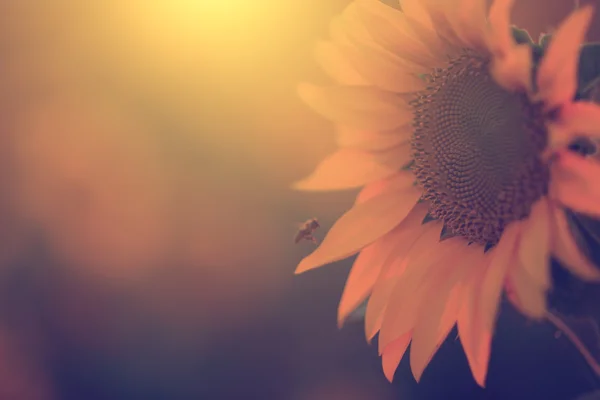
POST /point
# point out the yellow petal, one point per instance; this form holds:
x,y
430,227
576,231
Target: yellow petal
x,y
531,298
512,71
392,355
475,340
414,9
469,22
411,229
397,181
501,40
372,140
349,168
501,258
436,45
565,249
336,65
366,270
439,14
534,246
357,106
439,313
377,305
362,225
559,64
403,306
383,69
390,29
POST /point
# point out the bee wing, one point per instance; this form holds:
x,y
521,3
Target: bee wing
x,y
299,236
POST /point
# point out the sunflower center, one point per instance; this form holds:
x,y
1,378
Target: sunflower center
x,y
477,150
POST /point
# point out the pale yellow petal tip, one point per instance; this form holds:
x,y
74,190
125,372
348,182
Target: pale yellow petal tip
x,y
305,265
303,185
307,92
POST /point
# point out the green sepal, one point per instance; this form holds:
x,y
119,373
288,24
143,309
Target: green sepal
x,y
408,166
544,40
446,233
521,36
428,218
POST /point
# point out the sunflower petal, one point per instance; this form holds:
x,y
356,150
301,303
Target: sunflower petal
x,y
392,355
372,141
534,246
412,230
349,168
565,249
398,181
357,106
440,16
383,69
501,258
469,22
336,65
403,306
390,29
474,339
513,70
439,314
531,298
415,10
365,271
362,225
501,40
558,67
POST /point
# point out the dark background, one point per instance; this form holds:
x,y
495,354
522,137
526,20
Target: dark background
x,y
193,120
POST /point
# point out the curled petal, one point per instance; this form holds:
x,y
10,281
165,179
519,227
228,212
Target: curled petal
x,y
360,226
565,249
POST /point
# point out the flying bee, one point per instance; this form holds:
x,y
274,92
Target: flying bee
x,y
306,230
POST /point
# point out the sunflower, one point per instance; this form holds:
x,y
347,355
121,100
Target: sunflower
x,y
458,134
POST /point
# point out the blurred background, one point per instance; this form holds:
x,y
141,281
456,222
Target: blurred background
x,y
146,221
